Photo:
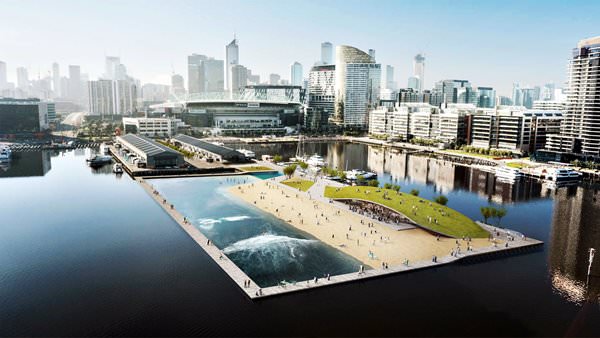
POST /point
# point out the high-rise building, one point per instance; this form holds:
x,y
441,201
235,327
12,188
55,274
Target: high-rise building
x,y
296,75
232,58
327,53
414,83
321,88
75,87
3,76
253,78
358,80
154,92
372,53
456,91
274,79
212,73
22,78
56,80
177,86
389,78
419,70
112,97
548,92
486,97
580,131
239,78
110,68
195,81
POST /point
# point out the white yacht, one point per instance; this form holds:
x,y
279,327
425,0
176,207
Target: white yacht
x,y
5,153
562,175
316,161
117,168
247,153
508,173
353,174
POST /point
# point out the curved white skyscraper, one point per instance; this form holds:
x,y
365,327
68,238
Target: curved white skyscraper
x,y
357,86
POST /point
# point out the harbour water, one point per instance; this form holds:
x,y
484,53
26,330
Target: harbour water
x,y
86,252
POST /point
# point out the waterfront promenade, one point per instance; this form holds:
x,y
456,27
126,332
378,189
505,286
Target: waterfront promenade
x,y
395,250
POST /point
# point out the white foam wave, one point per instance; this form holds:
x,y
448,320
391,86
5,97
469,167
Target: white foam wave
x,y
235,218
207,223
268,243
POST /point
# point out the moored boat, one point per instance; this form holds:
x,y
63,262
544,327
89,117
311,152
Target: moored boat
x,y
117,168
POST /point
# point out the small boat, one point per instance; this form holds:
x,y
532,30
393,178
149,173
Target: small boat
x,y
316,160
247,153
508,173
353,174
5,153
99,160
117,168
104,149
563,175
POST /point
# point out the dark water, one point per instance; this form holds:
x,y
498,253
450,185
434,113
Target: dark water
x,y
84,252
264,247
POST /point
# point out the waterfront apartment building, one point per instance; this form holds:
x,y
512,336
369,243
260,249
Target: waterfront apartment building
x,y
357,84
514,128
580,131
151,127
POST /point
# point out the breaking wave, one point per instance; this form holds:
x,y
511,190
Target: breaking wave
x,y
209,223
235,218
270,250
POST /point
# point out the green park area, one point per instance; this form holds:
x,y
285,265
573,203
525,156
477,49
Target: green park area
x,y
255,168
449,221
298,183
517,164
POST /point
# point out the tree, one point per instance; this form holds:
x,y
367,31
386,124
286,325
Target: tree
x,y
500,213
342,175
303,165
441,199
414,192
488,212
289,170
277,158
373,183
396,188
387,186
360,180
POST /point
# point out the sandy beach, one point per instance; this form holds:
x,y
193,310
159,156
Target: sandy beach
x,y
342,229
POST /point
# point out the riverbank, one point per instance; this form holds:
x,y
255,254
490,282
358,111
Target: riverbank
x,y
349,232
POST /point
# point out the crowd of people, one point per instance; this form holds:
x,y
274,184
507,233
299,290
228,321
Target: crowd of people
x,y
377,212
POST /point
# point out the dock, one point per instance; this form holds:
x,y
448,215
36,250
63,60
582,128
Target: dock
x,y
515,242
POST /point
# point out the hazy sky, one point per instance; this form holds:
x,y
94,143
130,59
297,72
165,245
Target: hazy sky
x,y
490,43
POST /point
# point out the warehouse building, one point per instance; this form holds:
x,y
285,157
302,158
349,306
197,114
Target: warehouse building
x,y
208,150
149,153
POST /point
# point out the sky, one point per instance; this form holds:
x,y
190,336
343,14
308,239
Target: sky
x,y
490,43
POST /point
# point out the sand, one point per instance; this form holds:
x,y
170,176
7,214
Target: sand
x,y
342,229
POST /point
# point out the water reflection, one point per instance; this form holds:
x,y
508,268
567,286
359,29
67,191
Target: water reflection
x,y
575,229
27,164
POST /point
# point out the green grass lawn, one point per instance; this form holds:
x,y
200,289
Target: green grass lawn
x,y
518,165
489,157
256,168
453,224
299,183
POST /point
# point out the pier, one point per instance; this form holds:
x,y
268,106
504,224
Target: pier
x,y
516,242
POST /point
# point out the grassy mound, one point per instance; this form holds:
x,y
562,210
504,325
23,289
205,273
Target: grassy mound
x,y
299,183
450,222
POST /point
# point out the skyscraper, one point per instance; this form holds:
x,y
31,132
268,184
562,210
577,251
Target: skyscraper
x,y
177,86
321,88
75,88
239,78
22,78
110,67
296,74
195,82
419,70
212,72
413,83
56,80
372,53
580,130
232,58
3,76
357,85
274,79
112,97
389,78
327,53
486,97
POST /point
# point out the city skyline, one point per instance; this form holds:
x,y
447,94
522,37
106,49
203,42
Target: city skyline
x,y
159,50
